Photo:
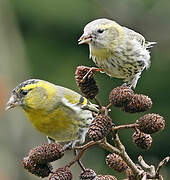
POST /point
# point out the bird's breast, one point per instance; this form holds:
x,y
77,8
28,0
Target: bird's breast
x,y
101,53
59,124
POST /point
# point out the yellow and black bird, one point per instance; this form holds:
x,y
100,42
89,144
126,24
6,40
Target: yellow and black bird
x,y
60,113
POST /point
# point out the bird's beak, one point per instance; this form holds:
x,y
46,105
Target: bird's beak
x,y
85,39
13,102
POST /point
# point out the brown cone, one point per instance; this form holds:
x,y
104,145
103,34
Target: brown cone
x,y
139,103
88,85
100,127
120,96
142,140
151,123
61,174
88,174
106,177
46,153
115,162
40,170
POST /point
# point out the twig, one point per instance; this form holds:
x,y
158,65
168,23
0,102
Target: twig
x,y
131,164
103,110
117,142
152,173
78,161
109,147
120,150
160,177
162,163
126,158
144,177
151,168
80,154
87,145
124,126
108,106
143,163
98,103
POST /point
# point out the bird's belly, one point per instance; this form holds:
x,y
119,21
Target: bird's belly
x,y
118,68
58,125
64,135
111,67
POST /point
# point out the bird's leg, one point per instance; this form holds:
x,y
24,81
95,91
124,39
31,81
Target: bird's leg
x,y
129,85
133,81
81,138
91,71
68,146
125,84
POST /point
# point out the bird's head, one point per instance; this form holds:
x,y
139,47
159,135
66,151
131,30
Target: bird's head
x,y
100,33
29,94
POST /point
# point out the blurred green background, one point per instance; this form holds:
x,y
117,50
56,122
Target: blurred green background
x,y
38,39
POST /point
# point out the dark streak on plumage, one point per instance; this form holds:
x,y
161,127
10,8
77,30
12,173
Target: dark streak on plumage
x,y
23,84
81,100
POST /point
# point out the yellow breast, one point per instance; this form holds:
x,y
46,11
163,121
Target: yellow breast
x,y
100,54
59,124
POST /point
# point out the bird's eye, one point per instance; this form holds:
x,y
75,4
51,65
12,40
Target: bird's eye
x,y
23,92
100,30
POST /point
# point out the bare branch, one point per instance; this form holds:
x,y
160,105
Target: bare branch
x,y
124,126
161,164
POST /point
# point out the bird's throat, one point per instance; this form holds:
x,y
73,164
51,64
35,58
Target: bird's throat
x,y
100,53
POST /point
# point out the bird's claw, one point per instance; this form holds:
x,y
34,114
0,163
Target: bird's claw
x,y
90,73
67,147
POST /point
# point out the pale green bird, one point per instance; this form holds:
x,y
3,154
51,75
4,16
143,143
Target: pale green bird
x,y
118,51
59,113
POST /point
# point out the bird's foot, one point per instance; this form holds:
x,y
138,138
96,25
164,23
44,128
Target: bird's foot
x,y
70,145
90,73
125,84
128,85
67,147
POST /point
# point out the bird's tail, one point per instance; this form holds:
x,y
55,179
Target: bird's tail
x,y
149,44
91,107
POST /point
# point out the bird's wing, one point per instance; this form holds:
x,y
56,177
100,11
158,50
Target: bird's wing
x,y
134,35
149,44
74,100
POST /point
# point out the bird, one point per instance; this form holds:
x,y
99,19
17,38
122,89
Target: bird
x,y
118,51
58,112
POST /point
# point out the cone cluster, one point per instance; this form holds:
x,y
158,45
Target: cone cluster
x,y
142,140
87,84
146,125
100,127
115,162
38,160
125,98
